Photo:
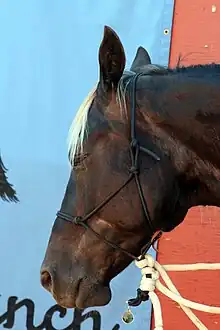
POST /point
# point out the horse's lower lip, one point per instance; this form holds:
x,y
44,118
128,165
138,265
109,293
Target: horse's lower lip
x,y
85,295
68,300
98,295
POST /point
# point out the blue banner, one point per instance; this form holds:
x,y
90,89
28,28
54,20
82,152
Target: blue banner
x,y
48,64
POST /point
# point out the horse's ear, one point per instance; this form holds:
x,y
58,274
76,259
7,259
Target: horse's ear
x,y
142,58
111,59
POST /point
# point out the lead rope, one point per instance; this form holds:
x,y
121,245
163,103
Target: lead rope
x,y
151,270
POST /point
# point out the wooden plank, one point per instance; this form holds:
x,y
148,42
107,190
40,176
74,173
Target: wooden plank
x,y
196,36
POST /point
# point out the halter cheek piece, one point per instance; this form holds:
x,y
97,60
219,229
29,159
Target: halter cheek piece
x,y
135,149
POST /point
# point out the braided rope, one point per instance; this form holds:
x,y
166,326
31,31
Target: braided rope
x,y
151,267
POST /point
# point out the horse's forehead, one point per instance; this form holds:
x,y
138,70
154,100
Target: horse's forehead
x,y
96,118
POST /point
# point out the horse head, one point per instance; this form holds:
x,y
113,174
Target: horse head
x,y
131,176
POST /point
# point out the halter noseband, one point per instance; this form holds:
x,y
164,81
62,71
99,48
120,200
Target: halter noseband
x,y
135,149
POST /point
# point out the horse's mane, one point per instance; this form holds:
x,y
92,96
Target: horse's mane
x,y
78,128
7,193
195,69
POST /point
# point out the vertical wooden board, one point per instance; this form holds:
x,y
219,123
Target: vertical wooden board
x,y
196,36
195,32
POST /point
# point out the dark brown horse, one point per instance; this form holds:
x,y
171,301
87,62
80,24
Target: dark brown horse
x,y
144,148
7,192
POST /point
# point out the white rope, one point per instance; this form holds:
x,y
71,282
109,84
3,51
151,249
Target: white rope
x,y
151,267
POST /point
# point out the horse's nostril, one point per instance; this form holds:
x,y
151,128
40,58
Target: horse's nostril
x,y
46,280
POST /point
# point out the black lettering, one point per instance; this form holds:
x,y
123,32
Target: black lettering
x,y
78,316
47,322
12,307
79,319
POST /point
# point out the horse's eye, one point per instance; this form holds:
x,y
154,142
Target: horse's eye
x,y
79,159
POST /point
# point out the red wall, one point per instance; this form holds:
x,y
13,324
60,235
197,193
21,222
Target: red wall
x,y
196,35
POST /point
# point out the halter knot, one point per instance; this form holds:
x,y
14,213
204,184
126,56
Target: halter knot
x,y
134,170
148,261
149,274
134,144
78,220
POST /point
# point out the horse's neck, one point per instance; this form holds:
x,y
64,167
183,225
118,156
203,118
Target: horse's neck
x,y
186,118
